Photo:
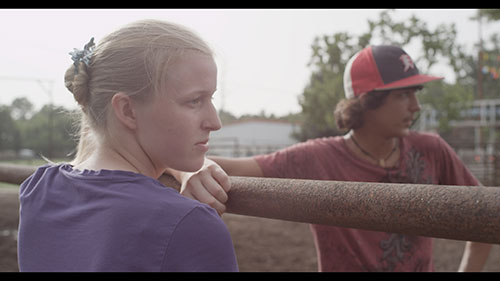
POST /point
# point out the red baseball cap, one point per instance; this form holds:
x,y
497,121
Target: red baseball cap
x,y
379,68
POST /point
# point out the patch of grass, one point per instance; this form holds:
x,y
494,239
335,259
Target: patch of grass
x,y
8,185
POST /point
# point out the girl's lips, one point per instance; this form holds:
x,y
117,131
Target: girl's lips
x,y
202,145
202,142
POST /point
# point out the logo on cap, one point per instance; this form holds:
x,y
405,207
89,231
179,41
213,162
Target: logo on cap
x,y
408,63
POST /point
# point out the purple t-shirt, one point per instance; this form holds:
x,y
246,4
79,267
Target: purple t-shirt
x,y
105,220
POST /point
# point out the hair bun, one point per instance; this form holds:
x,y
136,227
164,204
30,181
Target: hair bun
x,y
76,78
77,83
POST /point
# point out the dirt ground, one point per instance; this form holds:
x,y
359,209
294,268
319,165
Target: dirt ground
x,y
262,245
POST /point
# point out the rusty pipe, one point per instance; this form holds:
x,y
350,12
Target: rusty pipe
x,y
14,173
469,213
450,212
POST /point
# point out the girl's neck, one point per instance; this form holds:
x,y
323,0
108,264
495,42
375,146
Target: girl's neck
x,y
113,157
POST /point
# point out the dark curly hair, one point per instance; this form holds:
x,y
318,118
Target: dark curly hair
x,y
349,112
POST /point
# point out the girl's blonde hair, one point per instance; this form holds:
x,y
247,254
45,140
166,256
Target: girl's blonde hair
x,y
135,60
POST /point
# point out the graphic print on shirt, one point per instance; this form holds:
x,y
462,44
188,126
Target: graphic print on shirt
x,y
398,248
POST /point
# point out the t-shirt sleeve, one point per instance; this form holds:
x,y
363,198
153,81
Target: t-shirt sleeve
x,y
200,243
285,163
453,170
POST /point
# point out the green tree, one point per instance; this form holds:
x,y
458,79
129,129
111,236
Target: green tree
x,y
50,136
331,53
490,14
9,133
325,88
450,99
226,117
21,108
490,71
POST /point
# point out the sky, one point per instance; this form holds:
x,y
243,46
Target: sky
x,y
261,54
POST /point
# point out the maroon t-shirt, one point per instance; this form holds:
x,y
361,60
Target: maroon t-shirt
x,y
425,159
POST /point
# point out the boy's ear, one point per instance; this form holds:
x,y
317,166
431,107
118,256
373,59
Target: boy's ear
x,y
123,110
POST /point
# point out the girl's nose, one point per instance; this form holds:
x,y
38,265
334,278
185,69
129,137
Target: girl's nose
x,y
212,121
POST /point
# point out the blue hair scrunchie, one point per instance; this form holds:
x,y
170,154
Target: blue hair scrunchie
x,y
82,55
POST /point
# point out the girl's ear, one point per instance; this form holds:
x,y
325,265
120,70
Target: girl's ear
x,y
123,110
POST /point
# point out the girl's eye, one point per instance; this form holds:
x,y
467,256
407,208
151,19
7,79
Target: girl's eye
x,y
195,101
200,100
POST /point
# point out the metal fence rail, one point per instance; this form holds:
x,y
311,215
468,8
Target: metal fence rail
x,y
450,212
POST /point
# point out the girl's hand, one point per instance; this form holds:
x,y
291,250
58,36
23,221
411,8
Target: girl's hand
x,y
208,185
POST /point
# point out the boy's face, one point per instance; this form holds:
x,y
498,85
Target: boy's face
x,y
175,127
395,116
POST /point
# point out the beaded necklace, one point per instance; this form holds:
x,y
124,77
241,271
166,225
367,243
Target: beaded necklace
x,y
381,161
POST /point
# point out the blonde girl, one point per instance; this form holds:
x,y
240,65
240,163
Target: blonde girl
x,y
145,92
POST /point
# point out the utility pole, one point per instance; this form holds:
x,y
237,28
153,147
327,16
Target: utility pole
x,y
480,55
478,129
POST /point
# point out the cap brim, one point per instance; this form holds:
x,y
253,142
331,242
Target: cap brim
x,y
411,81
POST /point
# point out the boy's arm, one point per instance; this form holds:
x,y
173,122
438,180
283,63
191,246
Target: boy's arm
x,y
211,183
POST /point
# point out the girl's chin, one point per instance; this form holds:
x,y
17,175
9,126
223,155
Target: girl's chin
x,y
193,165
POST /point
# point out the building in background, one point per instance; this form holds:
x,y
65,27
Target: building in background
x,y
475,137
251,137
